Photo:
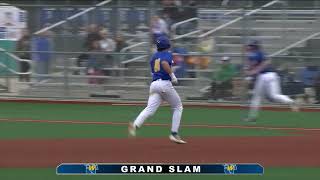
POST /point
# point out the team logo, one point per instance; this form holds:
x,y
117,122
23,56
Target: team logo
x,y
230,168
91,168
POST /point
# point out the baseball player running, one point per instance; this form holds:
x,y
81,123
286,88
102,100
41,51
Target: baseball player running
x,y
266,81
161,89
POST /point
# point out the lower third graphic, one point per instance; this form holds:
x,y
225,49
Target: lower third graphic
x,y
91,168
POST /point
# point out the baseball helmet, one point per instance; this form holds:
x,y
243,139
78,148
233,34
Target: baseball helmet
x,y
163,42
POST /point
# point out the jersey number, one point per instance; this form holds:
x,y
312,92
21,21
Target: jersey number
x,y
156,67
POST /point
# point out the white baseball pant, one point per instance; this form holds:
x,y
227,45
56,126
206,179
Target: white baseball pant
x,y
267,84
162,90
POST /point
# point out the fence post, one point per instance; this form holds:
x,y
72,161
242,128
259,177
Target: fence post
x,y
284,5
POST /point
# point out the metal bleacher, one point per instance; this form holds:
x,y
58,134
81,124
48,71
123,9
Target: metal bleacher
x,y
130,77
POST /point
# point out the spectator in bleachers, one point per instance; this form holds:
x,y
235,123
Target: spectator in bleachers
x,y
286,75
120,43
24,44
158,27
95,63
171,10
107,44
190,11
205,46
93,35
133,20
221,86
180,66
317,88
42,59
308,76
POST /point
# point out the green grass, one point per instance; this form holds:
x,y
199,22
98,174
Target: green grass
x,y
19,130
270,174
37,111
127,113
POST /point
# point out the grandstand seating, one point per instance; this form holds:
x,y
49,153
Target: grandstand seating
x,y
275,28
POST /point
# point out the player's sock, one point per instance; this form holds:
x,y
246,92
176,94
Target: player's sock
x,y
176,118
174,133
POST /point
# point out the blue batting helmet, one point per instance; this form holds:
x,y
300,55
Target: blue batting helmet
x,y
163,42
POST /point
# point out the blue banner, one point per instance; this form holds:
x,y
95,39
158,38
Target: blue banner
x,y
120,169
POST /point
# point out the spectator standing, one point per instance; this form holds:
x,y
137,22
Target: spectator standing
x,y
107,45
190,11
95,62
42,47
222,79
24,44
158,27
171,11
93,35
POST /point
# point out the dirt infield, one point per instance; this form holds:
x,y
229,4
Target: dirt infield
x,y
300,150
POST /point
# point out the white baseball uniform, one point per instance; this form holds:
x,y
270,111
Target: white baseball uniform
x,y
161,89
267,84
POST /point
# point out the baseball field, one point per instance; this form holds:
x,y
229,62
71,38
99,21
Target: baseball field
x,y
37,136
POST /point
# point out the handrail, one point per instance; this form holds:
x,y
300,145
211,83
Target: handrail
x,y
13,71
134,59
186,35
72,17
295,44
237,19
13,55
17,59
132,46
232,11
271,11
174,26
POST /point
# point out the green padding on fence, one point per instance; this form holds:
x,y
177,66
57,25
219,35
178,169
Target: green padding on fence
x,y
9,46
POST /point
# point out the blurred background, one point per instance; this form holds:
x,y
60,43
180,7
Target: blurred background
x,y
80,49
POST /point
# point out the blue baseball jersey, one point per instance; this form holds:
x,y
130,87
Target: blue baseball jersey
x,y
156,67
256,58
